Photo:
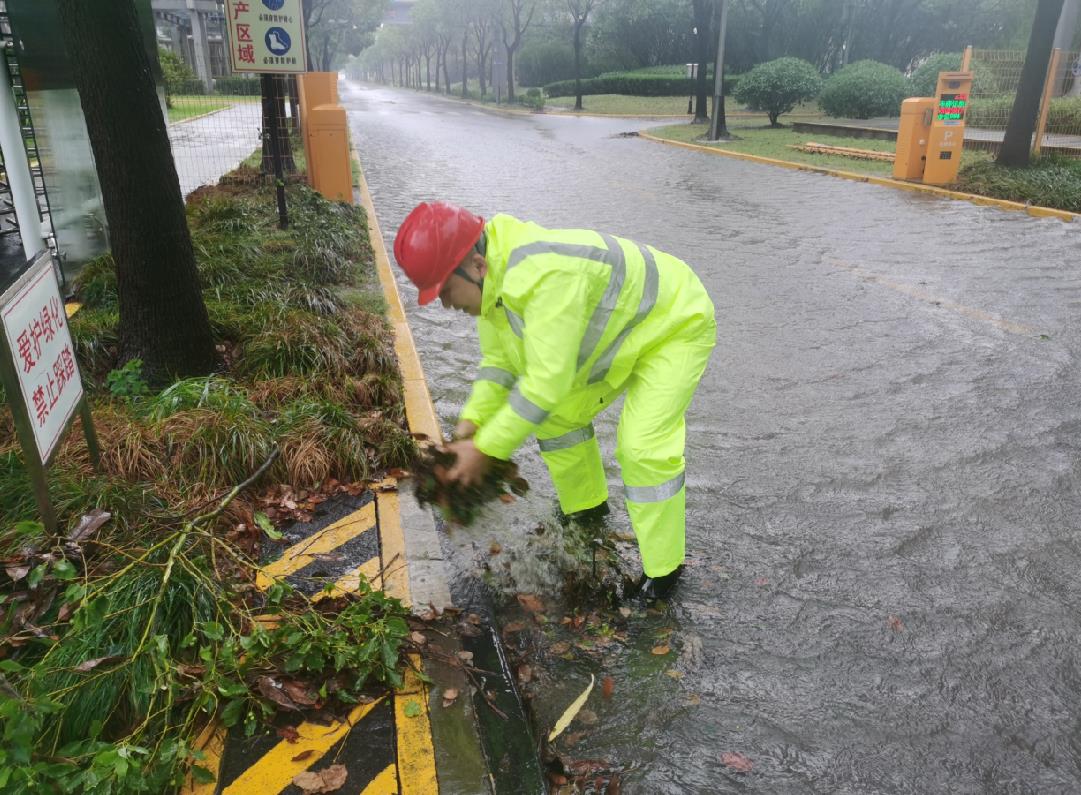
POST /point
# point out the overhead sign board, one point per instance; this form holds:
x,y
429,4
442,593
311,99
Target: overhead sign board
x,y
266,35
37,336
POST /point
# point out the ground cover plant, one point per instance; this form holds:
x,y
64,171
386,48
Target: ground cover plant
x,y
123,635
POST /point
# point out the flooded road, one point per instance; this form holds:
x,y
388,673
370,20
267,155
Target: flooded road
x,y
883,592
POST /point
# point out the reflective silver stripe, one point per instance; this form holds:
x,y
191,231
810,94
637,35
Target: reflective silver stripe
x,y
603,311
497,375
517,325
526,408
665,491
567,440
562,249
649,299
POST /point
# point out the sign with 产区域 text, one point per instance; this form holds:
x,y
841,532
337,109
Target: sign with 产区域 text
x,y
266,35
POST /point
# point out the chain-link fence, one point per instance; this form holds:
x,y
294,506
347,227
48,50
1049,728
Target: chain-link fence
x,y
213,133
997,75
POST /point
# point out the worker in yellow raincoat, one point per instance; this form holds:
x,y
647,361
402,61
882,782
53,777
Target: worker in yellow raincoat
x,y
569,319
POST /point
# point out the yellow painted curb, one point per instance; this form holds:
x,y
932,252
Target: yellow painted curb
x,y
419,410
914,187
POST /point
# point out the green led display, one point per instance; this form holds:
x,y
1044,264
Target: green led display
x,y
951,107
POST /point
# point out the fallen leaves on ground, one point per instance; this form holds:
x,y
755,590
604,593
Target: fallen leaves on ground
x,y
559,648
288,733
531,603
661,650
273,691
736,762
300,693
608,686
495,548
303,755
571,711
330,780
525,674
418,638
90,665
513,626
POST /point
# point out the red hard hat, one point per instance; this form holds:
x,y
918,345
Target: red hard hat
x,y
431,241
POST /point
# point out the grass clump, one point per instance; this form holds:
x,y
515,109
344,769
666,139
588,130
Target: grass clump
x,y
119,642
1047,182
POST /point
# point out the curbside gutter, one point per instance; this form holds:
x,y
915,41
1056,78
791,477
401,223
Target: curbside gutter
x,y
889,182
474,751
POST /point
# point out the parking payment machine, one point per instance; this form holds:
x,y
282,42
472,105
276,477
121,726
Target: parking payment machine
x,y
913,134
947,128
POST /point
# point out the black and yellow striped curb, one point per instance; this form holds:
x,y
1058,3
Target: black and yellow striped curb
x,y
888,182
384,744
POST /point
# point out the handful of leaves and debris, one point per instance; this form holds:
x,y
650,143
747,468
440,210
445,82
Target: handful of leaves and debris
x,y
462,504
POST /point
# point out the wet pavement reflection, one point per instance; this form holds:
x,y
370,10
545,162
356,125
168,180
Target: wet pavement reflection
x,y
882,594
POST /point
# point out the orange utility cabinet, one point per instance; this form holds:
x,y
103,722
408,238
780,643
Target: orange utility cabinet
x,y
913,134
948,128
326,135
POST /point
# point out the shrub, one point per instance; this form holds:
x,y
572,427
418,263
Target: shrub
x,y
533,99
924,79
778,86
176,71
546,62
863,90
242,86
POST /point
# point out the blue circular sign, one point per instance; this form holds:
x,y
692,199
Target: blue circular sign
x,y
274,5
277,41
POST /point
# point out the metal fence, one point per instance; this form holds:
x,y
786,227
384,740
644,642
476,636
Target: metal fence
x,y
997,76
212,134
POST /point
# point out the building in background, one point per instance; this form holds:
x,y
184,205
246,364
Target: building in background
x,y
194,30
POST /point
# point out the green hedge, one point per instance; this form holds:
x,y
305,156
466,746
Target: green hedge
x,y
243,86
1064,117
637,84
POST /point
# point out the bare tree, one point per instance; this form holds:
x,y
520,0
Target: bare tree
x,y
514,20
580,11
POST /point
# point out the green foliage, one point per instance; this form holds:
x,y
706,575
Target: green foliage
x,y
864,90
778,86
924,79
540,63
94,332
1047,182
95,286
533,98
127,382
238,86
655,81
178,75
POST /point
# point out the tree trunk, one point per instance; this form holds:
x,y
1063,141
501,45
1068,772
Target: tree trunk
x,y
510,74
163,320
702,13
446,71
438,62
428,69
274,103
578,63
465,62
1017,143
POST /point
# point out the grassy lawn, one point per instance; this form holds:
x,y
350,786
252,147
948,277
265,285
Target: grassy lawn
x,y
662,106
767,142
186,106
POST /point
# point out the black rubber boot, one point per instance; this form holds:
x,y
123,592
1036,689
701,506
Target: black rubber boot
x,y
590,517
652,589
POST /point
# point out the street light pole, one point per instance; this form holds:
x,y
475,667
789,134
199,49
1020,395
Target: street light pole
x,y
718,126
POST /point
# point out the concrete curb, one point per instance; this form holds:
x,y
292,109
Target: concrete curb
x,y
912,187
428,574
196,118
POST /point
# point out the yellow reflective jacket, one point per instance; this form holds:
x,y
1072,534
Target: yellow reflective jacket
x,y
565,314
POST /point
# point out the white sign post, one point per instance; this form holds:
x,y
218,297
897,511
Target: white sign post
x,y
40,374
266,35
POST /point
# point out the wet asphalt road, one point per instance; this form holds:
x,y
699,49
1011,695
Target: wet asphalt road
x,y
883,590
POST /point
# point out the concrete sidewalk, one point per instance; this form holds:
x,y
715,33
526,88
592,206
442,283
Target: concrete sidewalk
x,y
207,147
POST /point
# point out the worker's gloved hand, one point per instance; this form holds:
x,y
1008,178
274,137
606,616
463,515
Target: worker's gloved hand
x,y
471,464
464,430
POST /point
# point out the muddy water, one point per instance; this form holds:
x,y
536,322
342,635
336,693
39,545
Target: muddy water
x,y
883,588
